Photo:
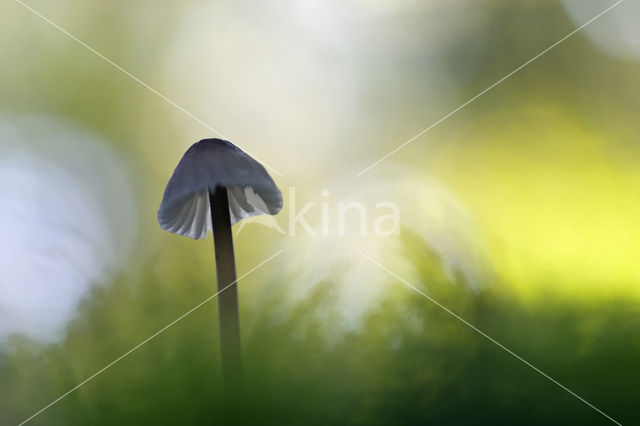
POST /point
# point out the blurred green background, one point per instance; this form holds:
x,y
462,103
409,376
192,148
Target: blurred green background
x,y
519,212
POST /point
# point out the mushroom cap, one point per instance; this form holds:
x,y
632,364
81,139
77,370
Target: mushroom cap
x,y
185,208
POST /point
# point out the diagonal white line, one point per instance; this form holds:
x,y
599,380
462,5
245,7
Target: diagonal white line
x,y
128,74
146,340
482,333
363,171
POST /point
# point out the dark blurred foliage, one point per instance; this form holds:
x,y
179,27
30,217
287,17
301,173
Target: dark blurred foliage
x,y
410,362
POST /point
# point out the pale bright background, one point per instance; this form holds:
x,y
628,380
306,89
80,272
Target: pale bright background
x,y
519,212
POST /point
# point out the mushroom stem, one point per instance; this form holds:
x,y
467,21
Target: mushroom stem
x,y
227,299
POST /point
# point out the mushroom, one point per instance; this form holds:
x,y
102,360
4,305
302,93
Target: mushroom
x,y
214,186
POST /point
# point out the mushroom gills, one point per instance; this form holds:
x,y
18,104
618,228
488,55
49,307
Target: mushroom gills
x,y
194,218
244,203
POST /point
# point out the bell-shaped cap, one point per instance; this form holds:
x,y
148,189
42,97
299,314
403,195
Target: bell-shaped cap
x,y
185,208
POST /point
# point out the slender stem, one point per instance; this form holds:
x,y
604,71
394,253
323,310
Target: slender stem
x,y
228,299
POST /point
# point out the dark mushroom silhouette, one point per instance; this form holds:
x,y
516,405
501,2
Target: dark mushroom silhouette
x,y
215,185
